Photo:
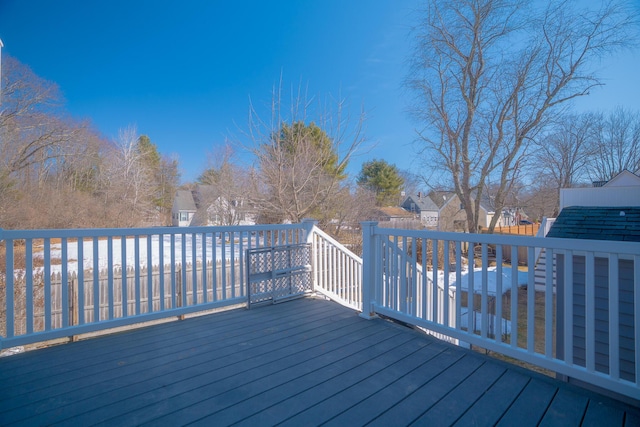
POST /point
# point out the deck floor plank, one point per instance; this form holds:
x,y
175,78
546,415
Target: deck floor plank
x,y
530,405
455,403
366,410
488,409
600,415
351,395
307,361
67,372
566,408
409,409
258,395
261,368
185,373
180,359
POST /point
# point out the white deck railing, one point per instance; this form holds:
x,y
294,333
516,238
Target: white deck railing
x,y
337,272
61,283
556,332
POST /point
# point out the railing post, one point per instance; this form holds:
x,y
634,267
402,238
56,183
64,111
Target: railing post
x,y
307,225
368,269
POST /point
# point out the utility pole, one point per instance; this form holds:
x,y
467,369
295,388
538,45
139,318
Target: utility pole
x,y
1,46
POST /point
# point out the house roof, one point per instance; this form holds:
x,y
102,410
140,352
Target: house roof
x,y
423,203
598,223
441,198
624,178
184,201
394,212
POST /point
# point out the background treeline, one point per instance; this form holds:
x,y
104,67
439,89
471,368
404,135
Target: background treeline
x,y
58,172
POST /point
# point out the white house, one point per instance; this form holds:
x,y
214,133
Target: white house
x,y
442,210
621,190
203,206
183,209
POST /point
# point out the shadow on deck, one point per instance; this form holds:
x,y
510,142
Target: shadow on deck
x,y
304,362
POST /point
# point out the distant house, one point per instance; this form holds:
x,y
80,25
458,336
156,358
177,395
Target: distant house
x,y
621,190
424,208
393,214
617,223
183,209
442,210
203,206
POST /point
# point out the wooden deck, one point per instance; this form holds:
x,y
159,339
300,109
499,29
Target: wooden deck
x,y
304,362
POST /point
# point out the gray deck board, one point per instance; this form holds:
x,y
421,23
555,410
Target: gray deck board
x,y
530,405
304,362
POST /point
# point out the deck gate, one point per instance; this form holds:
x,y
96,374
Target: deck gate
x,y
278,273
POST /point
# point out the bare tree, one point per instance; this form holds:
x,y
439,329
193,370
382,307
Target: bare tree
x,y
224,189
302,153
126,189
617,144
487,74
33,129
562,154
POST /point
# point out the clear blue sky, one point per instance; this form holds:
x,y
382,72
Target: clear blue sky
x,y
183,72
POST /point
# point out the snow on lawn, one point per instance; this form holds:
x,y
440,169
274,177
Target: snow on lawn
x,y
492,279
144,257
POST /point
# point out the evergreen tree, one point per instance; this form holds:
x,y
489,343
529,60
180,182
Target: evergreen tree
x,y
383,179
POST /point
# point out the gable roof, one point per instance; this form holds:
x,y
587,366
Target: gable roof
x,y
441,198
423,203
184,201
598,223
393,212
624,178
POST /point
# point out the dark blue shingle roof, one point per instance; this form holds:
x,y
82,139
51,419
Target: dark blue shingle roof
x,y
598,223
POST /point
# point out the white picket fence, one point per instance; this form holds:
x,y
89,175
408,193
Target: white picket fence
x,y
120,294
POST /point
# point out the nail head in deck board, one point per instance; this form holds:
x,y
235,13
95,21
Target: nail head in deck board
x,y
227,363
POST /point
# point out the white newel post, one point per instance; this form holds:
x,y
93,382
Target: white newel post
x,y
368,269
307,225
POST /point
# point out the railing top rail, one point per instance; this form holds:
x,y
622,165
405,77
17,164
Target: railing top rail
x,y
621,247
334,242
117,232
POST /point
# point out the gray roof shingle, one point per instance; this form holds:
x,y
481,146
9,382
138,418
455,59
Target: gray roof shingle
x,y
598,223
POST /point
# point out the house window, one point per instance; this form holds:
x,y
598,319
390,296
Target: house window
x,y
184,216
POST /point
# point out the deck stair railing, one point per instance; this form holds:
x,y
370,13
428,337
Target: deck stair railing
x,y
337,271
589,330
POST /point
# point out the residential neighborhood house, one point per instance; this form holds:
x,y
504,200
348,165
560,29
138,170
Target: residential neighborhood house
x,y
204,206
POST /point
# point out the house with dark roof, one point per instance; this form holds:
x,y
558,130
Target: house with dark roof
x,y
183,209
204,206
443,210
393,215
423,208
595,224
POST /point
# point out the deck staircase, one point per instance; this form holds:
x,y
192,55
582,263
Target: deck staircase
x,y
540,271
541,258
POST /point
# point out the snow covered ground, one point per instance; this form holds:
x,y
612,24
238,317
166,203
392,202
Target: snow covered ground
x,y
213,251
492,280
